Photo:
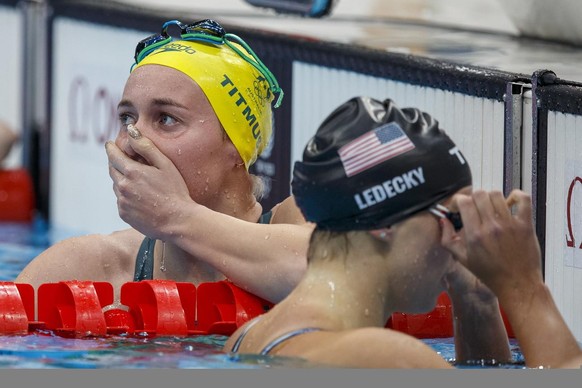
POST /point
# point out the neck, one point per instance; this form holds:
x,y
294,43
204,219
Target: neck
x,y
171,262
236,198
344,294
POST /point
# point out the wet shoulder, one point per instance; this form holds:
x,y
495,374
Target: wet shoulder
x,y
374,347
91,257
287,212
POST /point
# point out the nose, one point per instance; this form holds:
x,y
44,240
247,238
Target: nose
x,y
122,141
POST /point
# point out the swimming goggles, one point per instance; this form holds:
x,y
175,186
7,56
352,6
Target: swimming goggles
x,y
208,31
443,212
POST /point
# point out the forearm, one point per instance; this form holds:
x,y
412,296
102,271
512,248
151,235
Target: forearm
x,y
543,335
480,333
267,260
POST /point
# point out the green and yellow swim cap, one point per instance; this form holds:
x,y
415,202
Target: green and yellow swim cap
x,y
239,93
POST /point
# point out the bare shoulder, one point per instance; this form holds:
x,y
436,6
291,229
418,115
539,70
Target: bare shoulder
x,y
574,363
374,347
287,212
92,257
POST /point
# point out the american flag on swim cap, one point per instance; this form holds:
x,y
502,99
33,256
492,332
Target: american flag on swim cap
x,y
373,148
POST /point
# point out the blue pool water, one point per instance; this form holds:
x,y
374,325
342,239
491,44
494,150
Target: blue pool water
x,y
19,243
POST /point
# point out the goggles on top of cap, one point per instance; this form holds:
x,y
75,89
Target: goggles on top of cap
x,y
208,31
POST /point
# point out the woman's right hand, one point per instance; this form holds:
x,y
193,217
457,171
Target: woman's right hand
x,y
149,196
502,248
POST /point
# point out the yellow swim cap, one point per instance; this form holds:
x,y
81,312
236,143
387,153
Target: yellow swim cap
x,y
238,92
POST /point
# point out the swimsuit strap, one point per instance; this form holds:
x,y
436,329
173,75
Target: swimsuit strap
x,y
243,334
266,217
287,336
144,262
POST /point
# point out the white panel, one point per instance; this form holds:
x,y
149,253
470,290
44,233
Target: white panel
x,y
88,81
497,116
475,124
564,175
486,121
11,77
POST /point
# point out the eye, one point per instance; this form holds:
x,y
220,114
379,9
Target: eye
x,y
167,120
126,119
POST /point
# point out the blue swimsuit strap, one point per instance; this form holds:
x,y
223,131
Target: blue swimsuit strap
x,y
267,349
243,334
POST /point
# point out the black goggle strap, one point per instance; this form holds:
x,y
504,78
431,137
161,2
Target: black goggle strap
x,y
442,212
156,41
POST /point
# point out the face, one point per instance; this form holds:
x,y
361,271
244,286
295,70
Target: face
x,y
422,260
172,111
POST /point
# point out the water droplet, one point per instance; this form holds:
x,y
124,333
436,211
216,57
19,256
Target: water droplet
x,y
268,236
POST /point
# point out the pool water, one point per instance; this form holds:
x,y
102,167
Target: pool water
x,y
19,243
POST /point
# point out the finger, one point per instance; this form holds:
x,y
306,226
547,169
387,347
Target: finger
x,y
500,205
447,231
452,241
522,202
115,175
469,213
484,205
117,158
147,149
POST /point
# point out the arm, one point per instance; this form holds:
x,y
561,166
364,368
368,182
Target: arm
x,y
267,260
504,253
479,329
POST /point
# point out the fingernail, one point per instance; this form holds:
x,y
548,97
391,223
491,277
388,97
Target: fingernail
x,y
133,132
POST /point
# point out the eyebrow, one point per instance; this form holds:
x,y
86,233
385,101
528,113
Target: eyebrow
x,y
156,102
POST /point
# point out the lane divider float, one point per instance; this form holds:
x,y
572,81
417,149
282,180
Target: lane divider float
x,y
163,308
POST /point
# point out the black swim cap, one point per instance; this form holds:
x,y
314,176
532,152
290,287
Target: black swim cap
x,y
372,164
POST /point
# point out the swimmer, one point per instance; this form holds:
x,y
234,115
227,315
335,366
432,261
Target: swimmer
x,y
376,180
191,125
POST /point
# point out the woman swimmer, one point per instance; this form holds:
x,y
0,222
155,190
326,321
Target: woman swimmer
x,y
197,123
378,182
367,180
